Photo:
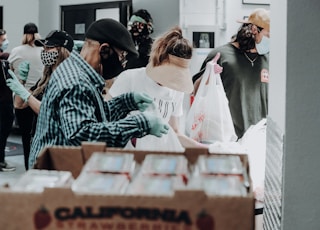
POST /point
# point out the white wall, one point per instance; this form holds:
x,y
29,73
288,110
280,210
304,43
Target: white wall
x,y
49,15
301,201
221,13
203,12
161,21
192,12
278,71
16,14
44,13
182,12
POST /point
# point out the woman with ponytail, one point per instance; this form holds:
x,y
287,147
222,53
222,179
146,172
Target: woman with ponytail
x,y
166,79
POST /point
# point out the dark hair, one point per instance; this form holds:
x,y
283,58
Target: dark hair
x,y
2,32
143,31
245,38
30,28
144,14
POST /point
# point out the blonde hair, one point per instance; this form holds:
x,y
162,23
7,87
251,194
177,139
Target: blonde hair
x,y
47,71
172,42
28,39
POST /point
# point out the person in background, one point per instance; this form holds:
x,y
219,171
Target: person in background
x,y
4,43
56,48
140,27
73,109
245,75
6,107
26,57
166,79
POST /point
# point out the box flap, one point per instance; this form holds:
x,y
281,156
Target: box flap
x,y
63,158
90,147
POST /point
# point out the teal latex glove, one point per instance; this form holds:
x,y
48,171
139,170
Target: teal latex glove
x,y
142,100
24,70
16,87
77,45
157,126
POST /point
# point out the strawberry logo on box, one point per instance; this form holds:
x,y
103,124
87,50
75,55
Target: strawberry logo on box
x,y
205,221
41,218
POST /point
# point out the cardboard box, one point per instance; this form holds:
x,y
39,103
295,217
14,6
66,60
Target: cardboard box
x,y
60,208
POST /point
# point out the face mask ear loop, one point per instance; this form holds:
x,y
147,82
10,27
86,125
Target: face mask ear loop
x,y
100,68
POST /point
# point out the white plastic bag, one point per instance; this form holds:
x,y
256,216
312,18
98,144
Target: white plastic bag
x,y
168,142
254,141
209,118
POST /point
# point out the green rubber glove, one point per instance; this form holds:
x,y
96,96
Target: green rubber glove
x,y
157,126
24,70
14,84
142,100
77,45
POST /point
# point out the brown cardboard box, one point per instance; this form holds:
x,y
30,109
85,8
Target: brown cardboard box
x,y
60,208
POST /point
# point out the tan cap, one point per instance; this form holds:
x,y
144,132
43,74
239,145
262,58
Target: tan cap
x,y
174,74
259,17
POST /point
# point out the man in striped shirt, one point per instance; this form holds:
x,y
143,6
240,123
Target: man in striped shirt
x,y
73,109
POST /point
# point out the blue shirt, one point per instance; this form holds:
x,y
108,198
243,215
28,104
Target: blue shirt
x,y
73,110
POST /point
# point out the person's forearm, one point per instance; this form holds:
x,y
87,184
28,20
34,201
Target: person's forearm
x,y
19,102
187,142
120,106
34,104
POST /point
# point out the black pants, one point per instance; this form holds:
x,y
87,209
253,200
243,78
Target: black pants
x,y
6,121
24,119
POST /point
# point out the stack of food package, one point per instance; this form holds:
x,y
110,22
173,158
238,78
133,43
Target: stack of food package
x,y
35,180
157,175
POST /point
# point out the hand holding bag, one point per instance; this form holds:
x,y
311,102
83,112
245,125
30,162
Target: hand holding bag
x,y
168,142
209,117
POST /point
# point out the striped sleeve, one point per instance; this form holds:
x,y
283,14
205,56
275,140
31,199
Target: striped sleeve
x,y
80,119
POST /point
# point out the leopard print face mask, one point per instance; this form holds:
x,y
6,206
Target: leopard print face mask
x,y
49,58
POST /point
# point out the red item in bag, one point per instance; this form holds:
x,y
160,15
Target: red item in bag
x,y
191,99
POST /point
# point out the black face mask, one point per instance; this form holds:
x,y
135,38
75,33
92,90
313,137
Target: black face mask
x,y
111,66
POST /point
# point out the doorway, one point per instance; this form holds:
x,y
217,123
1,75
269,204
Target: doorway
x,y
75,19
1,17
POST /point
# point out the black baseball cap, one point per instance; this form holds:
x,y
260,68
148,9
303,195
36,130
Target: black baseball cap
x,y
113,32
56,38
30,28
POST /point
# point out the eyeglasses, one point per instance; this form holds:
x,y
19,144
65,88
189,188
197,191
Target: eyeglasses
x,y
259,28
